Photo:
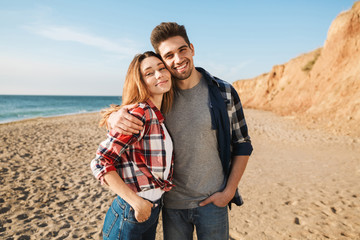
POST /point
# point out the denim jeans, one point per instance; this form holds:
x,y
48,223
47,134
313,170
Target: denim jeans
x,y
211,222
120,222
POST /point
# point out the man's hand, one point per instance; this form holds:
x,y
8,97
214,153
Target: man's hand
x,y
220,199
123,122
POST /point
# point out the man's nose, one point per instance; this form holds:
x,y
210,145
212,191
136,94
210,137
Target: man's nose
x,y
177,58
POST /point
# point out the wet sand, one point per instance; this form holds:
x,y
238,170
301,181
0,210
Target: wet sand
x,y
299,184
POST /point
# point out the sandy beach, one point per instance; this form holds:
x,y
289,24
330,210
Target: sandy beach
x,y
300,183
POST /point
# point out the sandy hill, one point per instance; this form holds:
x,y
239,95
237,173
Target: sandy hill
x,y
322,87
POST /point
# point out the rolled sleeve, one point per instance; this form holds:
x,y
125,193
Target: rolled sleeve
x,y
110,150
99,170
241,143
242,149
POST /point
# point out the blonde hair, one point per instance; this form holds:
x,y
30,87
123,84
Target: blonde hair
x,y
135,89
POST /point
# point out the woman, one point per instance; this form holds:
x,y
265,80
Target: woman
x,y
138,168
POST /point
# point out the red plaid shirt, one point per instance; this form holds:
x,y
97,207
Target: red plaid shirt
x,y
139,159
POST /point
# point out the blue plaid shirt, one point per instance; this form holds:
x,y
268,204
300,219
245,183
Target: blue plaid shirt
x,y
228,118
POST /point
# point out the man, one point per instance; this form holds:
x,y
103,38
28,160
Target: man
x,y
211,142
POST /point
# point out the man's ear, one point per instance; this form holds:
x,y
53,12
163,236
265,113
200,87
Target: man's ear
x,y
192,49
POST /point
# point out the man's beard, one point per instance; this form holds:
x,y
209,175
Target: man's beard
x,y
181,77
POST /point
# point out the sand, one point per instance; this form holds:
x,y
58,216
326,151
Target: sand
x,y
300,183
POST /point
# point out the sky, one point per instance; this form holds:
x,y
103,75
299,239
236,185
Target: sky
x,y
74,47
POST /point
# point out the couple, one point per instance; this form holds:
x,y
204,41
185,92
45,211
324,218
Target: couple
x,y
197,160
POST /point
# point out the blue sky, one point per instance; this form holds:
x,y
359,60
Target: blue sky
x,y
73,47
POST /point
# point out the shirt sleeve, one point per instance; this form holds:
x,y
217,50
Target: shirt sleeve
x,y
110,150
241,143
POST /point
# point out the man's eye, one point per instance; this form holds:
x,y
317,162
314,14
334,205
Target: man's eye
x,y
169,56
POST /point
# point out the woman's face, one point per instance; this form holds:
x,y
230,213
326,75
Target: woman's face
x,y
156,77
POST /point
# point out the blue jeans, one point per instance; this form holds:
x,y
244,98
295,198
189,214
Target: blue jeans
x,y
120,222
211,222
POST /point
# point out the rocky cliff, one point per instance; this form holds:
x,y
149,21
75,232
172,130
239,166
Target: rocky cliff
x,y
321,87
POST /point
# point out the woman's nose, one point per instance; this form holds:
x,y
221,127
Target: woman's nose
x,y
158,74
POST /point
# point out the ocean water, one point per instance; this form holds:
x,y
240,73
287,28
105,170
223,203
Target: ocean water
x,y
18,107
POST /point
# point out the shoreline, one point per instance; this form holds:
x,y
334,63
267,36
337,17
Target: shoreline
x,y
46,117
16,108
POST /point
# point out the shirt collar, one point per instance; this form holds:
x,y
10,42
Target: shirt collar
x,y
210,79
159,116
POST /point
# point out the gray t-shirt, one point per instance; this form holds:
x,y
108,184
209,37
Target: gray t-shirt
x,y
198,171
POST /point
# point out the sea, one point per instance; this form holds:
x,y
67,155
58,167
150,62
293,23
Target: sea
x,y
19,107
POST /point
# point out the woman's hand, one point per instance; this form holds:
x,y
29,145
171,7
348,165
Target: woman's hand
x,y
143,210
123,122
141,206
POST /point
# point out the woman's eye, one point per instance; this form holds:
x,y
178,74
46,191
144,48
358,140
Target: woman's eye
x,y
149,74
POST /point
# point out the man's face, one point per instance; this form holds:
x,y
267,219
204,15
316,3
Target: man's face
x,y
178,57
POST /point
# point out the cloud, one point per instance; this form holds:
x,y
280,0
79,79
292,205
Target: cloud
x,y
122,47
26,75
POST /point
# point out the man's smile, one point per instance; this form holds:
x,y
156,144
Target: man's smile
x,y
182,67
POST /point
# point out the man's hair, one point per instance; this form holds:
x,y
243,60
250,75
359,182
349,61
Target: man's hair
x,y
166,30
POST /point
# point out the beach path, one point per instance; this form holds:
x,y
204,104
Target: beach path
x,y
300,183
